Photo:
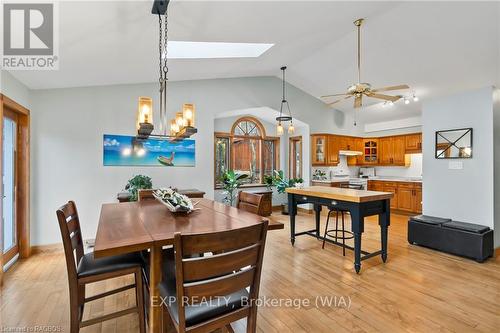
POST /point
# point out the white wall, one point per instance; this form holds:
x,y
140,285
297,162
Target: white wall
x,y
467,194
68,124
15,90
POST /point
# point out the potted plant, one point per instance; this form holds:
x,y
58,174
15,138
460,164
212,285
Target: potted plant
x,y
138,182
282,184
231,182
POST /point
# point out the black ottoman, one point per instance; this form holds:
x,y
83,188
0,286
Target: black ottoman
x,y
464,239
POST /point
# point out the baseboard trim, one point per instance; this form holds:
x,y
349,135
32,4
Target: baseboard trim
x,y
496,253
299,209
49,248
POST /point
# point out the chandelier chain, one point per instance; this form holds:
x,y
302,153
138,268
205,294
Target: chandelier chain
x,y
160,48
165,65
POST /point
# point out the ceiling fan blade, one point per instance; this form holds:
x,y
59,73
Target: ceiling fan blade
x,y
384,97
339,100
358,101
400,87
325,96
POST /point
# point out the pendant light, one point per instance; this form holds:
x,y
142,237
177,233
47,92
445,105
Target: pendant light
x,y
284,118
182,126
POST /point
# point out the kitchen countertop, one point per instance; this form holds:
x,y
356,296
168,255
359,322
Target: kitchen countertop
x,y
328,181
397,179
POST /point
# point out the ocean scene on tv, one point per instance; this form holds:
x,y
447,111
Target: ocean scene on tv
x,y
124,150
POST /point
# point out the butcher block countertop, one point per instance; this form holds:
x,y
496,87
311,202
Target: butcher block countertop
x,y
342,194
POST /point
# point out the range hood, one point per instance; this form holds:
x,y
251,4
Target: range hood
x,y
350,153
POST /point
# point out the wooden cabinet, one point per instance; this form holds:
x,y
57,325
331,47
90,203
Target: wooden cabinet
x,y
318,149
358,146
392,151
407,195
383,151
393,188
333,150
418,198
370,151
413,143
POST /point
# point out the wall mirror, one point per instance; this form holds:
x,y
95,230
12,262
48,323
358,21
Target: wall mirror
x,y
455,143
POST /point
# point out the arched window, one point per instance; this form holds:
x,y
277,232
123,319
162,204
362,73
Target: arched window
x,y
246,149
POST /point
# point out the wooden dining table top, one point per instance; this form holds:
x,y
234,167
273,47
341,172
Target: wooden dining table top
x,y
342,194
134,226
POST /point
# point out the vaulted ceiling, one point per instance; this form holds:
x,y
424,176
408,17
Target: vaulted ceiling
x,y
435,47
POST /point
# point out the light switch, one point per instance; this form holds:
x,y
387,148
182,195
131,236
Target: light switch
x,y
455,165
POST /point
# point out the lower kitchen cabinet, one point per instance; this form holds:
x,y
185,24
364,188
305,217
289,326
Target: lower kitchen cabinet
x,y
407,195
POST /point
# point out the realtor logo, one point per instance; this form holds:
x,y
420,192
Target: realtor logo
x,y
29,36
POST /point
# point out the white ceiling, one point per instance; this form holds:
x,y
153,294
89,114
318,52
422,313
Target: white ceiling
x,y
435,47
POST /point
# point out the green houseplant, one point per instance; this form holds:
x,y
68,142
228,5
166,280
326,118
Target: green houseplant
x,y
138,182
282,184
231,182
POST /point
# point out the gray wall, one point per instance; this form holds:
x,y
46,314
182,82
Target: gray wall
x,y
68,124
468,194
496,147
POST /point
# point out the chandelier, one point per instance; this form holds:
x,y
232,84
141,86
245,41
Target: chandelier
x,y
182,126
283,117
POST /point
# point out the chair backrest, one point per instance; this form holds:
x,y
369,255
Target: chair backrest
x,y
69,224
143,194
250,202
236,264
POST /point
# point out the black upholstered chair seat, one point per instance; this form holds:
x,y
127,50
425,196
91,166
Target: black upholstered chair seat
x,y
470,227
197,313
89,265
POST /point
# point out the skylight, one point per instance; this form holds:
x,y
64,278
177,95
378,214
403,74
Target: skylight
x,y
213,50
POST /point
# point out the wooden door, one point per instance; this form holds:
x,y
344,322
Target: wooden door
x,y
417,200
398,150
385,150
406,197
318,149
393,188
413,142
295,157
333,150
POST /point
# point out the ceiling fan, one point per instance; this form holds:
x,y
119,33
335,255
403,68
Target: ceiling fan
x,y
361,88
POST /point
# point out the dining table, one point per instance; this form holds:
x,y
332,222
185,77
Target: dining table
x,y
149,225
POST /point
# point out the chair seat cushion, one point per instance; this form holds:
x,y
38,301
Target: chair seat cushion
x,y
89,265
430,219
196,313
477,228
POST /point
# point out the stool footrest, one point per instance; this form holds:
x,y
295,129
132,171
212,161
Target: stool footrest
x,y
339,234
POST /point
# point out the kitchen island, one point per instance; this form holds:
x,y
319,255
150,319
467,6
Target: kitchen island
x,y
358,203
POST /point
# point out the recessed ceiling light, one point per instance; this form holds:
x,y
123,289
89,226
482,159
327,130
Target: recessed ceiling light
x,y
214,50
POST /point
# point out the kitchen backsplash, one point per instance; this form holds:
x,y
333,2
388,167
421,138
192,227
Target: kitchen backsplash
x,y
414,170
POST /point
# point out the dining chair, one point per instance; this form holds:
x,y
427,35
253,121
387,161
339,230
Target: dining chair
x,y
208,293
144,194
250,202
84,269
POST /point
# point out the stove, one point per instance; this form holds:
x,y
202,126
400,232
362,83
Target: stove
x,y
359,181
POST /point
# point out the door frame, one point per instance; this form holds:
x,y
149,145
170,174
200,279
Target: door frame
x,y
8,105
291,156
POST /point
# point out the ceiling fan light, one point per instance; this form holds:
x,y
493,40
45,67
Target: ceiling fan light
x,y
391,103
415,98
407,101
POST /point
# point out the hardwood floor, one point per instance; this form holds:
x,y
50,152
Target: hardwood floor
x,y
417,290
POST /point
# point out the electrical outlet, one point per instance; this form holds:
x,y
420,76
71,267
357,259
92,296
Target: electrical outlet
x,y
455,165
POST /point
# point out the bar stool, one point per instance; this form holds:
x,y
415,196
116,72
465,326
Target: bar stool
x,y
330,233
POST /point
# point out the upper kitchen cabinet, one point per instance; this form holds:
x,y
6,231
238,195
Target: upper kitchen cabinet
x,y
413,143
319,149
358,159
392,151
334,144
370,151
